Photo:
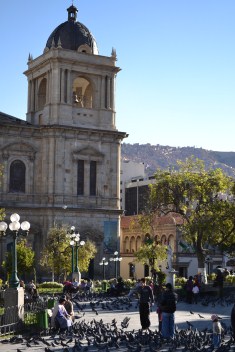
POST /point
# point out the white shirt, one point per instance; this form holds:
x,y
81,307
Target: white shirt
x,y
195,289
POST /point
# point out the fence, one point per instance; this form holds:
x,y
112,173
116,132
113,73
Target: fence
x,y
31,315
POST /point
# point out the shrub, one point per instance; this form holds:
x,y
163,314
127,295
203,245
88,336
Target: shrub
x,y
211,277
97,283
161,277
129,283
230,279
50,285
180,281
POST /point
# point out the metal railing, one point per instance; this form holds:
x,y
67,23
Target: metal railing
x,y
16,319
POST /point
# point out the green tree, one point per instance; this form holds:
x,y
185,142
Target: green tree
x,y
25,258
85,254
205,201
57,253
150,252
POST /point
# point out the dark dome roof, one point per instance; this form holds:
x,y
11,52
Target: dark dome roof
x,y
72,35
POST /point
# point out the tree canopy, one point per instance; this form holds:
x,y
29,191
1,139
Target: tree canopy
x,y
150,252
204,199
25,258
57,253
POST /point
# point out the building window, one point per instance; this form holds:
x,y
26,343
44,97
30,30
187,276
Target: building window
x,y
146,270
131,270
80,178
93,178
17,176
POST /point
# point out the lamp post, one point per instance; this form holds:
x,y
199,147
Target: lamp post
x,y
75,243
104,263
116,259
15,229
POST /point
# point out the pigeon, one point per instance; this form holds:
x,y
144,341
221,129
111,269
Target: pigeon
x,y
47,349
125,322
200,316
70,340
189,324
64,344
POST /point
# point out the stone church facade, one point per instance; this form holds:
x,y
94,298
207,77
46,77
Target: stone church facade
x,y
62,165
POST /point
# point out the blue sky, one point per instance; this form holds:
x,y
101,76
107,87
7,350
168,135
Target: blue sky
x,y
177,83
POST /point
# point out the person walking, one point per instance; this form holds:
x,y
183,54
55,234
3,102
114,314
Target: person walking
x,y
168,308
217,331
189,290
219,282
146,300
195,291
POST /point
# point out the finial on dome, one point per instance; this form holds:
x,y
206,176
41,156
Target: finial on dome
x,y
72,13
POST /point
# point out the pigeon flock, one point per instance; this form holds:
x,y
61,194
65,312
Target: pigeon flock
x,y
91,332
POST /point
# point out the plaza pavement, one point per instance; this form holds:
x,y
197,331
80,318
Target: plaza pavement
x,y
182,315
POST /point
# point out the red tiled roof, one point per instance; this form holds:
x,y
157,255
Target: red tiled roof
x,y
169,219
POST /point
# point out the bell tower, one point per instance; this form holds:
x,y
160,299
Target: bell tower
x,y
70,83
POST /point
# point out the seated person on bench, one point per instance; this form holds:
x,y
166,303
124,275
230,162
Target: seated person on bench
x,y
63,319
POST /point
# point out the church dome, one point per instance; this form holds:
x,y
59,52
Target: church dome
x,y
72,35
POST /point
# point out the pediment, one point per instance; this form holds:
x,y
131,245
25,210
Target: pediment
x,y
18,149
88,153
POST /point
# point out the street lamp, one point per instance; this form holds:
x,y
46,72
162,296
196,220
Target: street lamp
x,y
15,229
75,243
115,260
104,263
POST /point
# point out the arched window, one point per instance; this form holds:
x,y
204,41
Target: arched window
x,y
17,176
132,244
171,242
138,243
126,245
156,239
163,240
42,94
82,93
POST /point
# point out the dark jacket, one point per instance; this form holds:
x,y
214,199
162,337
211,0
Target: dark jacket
x,y
233,318
168,301
145,294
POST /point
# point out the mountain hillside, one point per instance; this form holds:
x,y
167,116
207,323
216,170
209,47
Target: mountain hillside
x,y
159,156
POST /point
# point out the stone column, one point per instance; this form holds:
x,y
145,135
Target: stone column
x,y
108,92
14,303
69,90
62,85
